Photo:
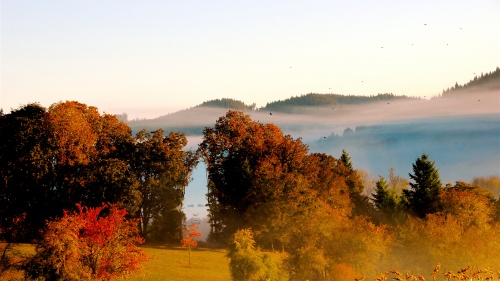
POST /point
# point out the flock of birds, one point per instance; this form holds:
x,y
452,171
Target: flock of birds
x,y
362,81
425,24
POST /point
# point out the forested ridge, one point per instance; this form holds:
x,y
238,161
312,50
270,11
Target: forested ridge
x,y
489,81
322,100
227,103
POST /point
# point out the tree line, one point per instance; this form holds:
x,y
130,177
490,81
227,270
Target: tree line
x,y
53,158
490,80
312,99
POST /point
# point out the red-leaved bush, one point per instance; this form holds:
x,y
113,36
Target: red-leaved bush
x,y
89,244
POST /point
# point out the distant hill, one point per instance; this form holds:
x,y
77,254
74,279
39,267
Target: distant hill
x,y
227,103
323,100
489,81
193,120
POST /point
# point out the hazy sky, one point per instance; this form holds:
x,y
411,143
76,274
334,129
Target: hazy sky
x,y
149,58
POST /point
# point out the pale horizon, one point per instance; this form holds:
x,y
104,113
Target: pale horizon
x,y
153,58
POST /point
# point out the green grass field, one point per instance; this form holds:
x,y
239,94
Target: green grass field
x,y
167,263
172,263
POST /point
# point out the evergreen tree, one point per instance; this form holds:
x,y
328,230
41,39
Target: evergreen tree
x,y
422,197
355,186
387,202
384,197
346,159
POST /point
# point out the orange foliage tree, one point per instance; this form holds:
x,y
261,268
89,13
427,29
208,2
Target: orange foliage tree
x,y
190,233
91,243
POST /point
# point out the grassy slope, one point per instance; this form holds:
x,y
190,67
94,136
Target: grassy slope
x,y
172,263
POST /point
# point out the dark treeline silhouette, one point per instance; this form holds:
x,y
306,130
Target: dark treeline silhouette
x,y
228,104
488,81
322,100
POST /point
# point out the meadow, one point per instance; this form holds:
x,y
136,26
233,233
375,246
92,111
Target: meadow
x,y
167,263
172,263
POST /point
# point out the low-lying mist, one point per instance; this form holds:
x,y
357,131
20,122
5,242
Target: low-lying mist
x,y
460,133
462,147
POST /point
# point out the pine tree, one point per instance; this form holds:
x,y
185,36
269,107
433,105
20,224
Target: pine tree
x,y
422,197
385,198
346,159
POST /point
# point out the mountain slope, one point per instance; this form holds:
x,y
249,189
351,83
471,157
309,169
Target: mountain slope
x,y
486,82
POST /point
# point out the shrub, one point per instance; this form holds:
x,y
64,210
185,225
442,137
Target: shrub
x,y
249,263
89,244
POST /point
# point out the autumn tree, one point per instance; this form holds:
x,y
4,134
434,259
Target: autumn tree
x,y
470,205
163,170
188,240
92,157
325,238
422,197
253,169
91,243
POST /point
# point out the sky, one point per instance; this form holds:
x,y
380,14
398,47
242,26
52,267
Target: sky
x,y
150,58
